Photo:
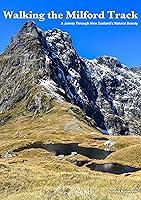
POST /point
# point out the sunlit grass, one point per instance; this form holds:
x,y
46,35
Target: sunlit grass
x,y
35,174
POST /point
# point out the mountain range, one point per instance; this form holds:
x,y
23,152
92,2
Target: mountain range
x,y
41,69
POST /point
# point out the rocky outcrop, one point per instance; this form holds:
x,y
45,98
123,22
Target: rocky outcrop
x,y
107,91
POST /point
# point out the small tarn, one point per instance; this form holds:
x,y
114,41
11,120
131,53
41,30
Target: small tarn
x,y
113,168
60,149
68,149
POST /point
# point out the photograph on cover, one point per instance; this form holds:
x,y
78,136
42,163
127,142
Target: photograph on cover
x,y
70,100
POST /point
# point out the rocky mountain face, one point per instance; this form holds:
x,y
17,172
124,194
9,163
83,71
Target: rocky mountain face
x,y
137,70
40,67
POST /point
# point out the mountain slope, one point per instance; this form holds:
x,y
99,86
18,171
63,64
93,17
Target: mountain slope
x,y
42,69
119,94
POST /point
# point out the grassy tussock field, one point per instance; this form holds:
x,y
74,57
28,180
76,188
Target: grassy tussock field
x,y
36,174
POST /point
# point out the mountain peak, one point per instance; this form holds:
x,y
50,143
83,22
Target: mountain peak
x,y
29,28
27,33
29,25
109,60
40,66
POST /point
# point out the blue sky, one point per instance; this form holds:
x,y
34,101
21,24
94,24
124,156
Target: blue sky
x,y
123,42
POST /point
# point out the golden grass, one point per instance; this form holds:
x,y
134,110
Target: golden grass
x,y
129,156
48,177
35,174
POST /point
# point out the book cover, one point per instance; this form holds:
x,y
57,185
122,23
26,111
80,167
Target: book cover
x,y
70,100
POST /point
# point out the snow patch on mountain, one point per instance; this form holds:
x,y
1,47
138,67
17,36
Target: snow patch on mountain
x,y
52,89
